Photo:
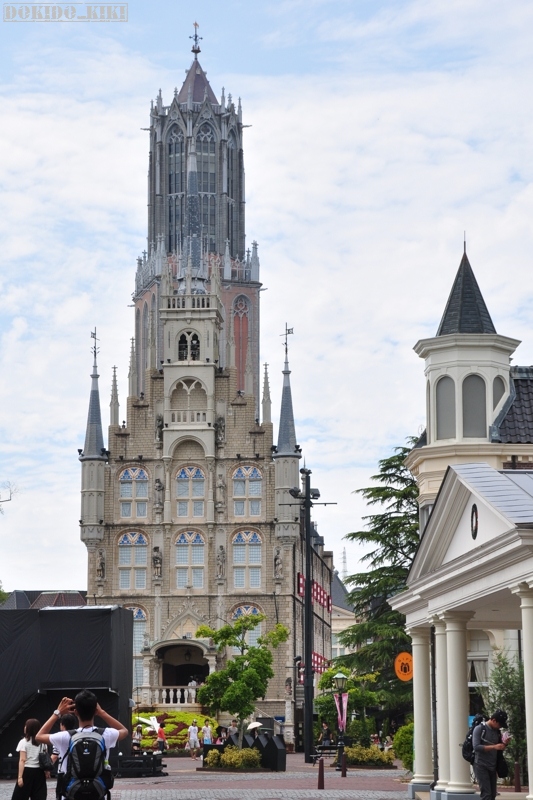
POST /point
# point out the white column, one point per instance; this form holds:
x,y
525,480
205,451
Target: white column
x,y
458,701
441,691
525,594
423,764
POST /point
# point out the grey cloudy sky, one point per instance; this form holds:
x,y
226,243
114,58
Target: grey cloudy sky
x,y
380,132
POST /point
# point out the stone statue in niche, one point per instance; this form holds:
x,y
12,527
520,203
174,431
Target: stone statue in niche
x,y
220,428
221,562
100,565
288,686
159,490
159,424
157,562
221,491
278,564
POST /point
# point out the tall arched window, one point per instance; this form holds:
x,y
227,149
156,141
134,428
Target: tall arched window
x,y
233,191
445,399
249,611
176,188
190,491
139,629
132,561
188,402
133,492
498,391
206,161
247,560
190,560
247,491
241,326
188,346
474,408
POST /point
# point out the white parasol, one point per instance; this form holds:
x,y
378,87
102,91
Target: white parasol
x,y
253,725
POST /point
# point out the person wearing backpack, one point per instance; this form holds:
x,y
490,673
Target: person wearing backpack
x,y
86,776
487,742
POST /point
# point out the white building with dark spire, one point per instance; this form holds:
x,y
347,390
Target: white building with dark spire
x,y
470,587
186,514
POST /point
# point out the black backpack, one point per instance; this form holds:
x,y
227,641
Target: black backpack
x,y
87,776
467,748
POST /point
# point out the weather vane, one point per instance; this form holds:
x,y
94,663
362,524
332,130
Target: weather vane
x,y
288,331
196,39
94,348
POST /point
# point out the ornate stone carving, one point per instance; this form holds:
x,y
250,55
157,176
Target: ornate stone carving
x,y
220,430
157,562
100,565
278,564
159,425
221,562
159,492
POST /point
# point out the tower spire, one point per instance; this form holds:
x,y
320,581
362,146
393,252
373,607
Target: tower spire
x,y
287,433
114,404
466,311
94,441
266,402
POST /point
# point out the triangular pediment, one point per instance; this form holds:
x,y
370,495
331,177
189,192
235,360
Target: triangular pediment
x,y
175,115
472,510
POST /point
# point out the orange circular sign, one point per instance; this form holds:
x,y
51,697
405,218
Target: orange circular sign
x,y
403,666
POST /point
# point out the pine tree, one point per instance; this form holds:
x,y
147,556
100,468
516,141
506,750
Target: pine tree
x,y
393,534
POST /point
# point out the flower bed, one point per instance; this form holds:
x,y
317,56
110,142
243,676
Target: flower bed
x,y
176,726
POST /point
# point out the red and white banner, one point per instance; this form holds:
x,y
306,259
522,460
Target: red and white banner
x,y
341,701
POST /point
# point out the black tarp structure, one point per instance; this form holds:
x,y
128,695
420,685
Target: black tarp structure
x,y
51,653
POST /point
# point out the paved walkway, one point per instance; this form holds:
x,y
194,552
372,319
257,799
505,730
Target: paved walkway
x,y
300,781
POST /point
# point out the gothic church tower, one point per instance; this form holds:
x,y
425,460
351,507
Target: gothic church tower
x,y
191,525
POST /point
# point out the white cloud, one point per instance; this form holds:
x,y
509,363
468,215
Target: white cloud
x,y
360,183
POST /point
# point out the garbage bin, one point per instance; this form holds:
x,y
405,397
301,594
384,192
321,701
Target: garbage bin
x,y
276,754
260,743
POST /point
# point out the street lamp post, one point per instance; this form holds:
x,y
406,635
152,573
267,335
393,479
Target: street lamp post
x,y
340,685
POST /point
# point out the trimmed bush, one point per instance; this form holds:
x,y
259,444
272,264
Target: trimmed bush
x,y
212,759
233,758
403,745
369,756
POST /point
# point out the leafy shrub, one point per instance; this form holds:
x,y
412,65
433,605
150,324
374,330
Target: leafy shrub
x,y
213,758
403,745
233,758
368,756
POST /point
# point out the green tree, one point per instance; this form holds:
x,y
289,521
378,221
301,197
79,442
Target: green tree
x,y
392,532
3,595
506,691
361,690
236,687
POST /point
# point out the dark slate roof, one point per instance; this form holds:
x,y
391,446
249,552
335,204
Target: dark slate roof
x,y
515,421
94,440
465,310
197,80
339,593
22,599
287,432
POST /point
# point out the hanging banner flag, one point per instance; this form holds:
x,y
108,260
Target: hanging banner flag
x,y
344,710
339,711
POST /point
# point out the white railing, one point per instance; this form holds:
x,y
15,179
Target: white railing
x,y
173,696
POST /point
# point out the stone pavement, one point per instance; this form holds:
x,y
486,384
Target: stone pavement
x,y
300,781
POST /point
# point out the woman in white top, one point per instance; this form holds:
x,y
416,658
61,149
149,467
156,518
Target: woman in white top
x,y
31,781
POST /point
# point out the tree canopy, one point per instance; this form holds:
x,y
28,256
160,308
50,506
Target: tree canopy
x,y
236,687
392,532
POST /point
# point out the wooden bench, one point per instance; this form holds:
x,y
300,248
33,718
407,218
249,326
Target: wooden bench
x,y
325,751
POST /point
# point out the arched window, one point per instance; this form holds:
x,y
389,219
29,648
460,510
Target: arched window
x,y
190,491
206,161
133,492
190,560
247,491
474,408
145,337
189,346
132,561
139,629
249,611
445,398
176,188
247,560
498,391
233,191
188,402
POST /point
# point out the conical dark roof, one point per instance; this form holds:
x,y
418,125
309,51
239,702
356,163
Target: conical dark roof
x,y
465,310
197,80
287,432
94,440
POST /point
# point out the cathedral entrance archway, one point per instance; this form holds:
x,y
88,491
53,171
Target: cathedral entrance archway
x,y
181,663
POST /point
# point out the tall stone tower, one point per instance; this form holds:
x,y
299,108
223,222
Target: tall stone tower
x,y
186,515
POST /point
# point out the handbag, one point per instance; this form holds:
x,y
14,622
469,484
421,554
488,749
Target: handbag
x,y
502,768
45,762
